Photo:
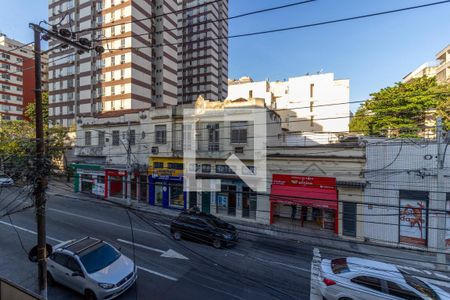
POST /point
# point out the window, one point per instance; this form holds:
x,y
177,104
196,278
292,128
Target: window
x,y
398,291
122,74
122,43
160,134
176,195
87,138
132,137
113,60
420,286
368,282
73,265
311,90
213,137
223,169
60,258
122,28
158,165
250,94
101,138
206,168
311,121
113,90
175,166
311,106
239,132
115,137
122,59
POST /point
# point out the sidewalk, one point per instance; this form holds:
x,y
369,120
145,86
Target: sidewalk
x,y
328,243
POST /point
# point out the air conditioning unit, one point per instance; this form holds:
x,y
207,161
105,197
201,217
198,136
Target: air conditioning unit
x,y
239,150
155,150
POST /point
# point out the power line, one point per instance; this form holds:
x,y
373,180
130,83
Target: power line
x,y
212,21
296,27
152,17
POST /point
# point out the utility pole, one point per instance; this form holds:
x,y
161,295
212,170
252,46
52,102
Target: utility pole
x,y
41,166
441,260
129,164
41,177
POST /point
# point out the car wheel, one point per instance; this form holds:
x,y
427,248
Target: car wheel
x,y
217,243
89,295
176,235
345,298
50,280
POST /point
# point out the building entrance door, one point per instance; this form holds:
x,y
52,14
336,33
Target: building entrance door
x,y
206,202
349,219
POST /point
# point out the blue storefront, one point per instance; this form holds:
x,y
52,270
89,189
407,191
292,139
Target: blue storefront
x,y
166,191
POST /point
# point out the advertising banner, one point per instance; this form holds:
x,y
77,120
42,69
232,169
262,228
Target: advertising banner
x,y
413,221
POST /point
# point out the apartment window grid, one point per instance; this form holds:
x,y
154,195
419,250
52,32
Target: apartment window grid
x,y
239,132
160,134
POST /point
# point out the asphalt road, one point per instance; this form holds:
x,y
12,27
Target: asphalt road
x,y
258,267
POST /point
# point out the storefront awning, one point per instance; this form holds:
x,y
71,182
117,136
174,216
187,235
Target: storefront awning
x,y
305,196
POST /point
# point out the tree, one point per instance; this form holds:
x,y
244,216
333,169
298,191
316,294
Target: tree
x,y
401,110
17,139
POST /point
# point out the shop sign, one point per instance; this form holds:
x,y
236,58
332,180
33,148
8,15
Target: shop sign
x,y
413,221
90,172
304,181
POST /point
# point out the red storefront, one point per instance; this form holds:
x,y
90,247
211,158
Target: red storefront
x,y
305,191
115,183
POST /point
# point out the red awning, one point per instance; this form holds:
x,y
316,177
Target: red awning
x,y
305,196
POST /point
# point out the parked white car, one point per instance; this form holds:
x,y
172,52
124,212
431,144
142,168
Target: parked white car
x,y
5,180
355,278
91,267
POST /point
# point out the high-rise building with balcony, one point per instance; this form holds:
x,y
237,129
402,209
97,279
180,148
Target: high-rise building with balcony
x,y
141,65
17,79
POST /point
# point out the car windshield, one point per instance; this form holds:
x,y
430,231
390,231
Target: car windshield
x,y
99,258
421,287
3,176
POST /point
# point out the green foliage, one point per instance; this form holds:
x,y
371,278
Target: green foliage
x,y
17,138
401,110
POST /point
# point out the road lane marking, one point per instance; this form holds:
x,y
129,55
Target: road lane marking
x,y
59,241
102,221
28,230
169,253
157,273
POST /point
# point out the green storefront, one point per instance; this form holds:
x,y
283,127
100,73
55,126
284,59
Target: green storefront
x,y
89,179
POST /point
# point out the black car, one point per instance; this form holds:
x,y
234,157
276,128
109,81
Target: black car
x,y
203,227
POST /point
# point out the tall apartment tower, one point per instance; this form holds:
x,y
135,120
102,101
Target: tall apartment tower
x,y
203,50
141,65
17,80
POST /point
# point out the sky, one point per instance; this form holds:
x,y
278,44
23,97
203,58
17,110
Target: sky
x,y
373,53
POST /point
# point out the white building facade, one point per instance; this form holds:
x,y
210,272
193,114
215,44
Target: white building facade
x,y
312,103
403,196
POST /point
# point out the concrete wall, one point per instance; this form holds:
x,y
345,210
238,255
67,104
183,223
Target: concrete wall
x,y
402,165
